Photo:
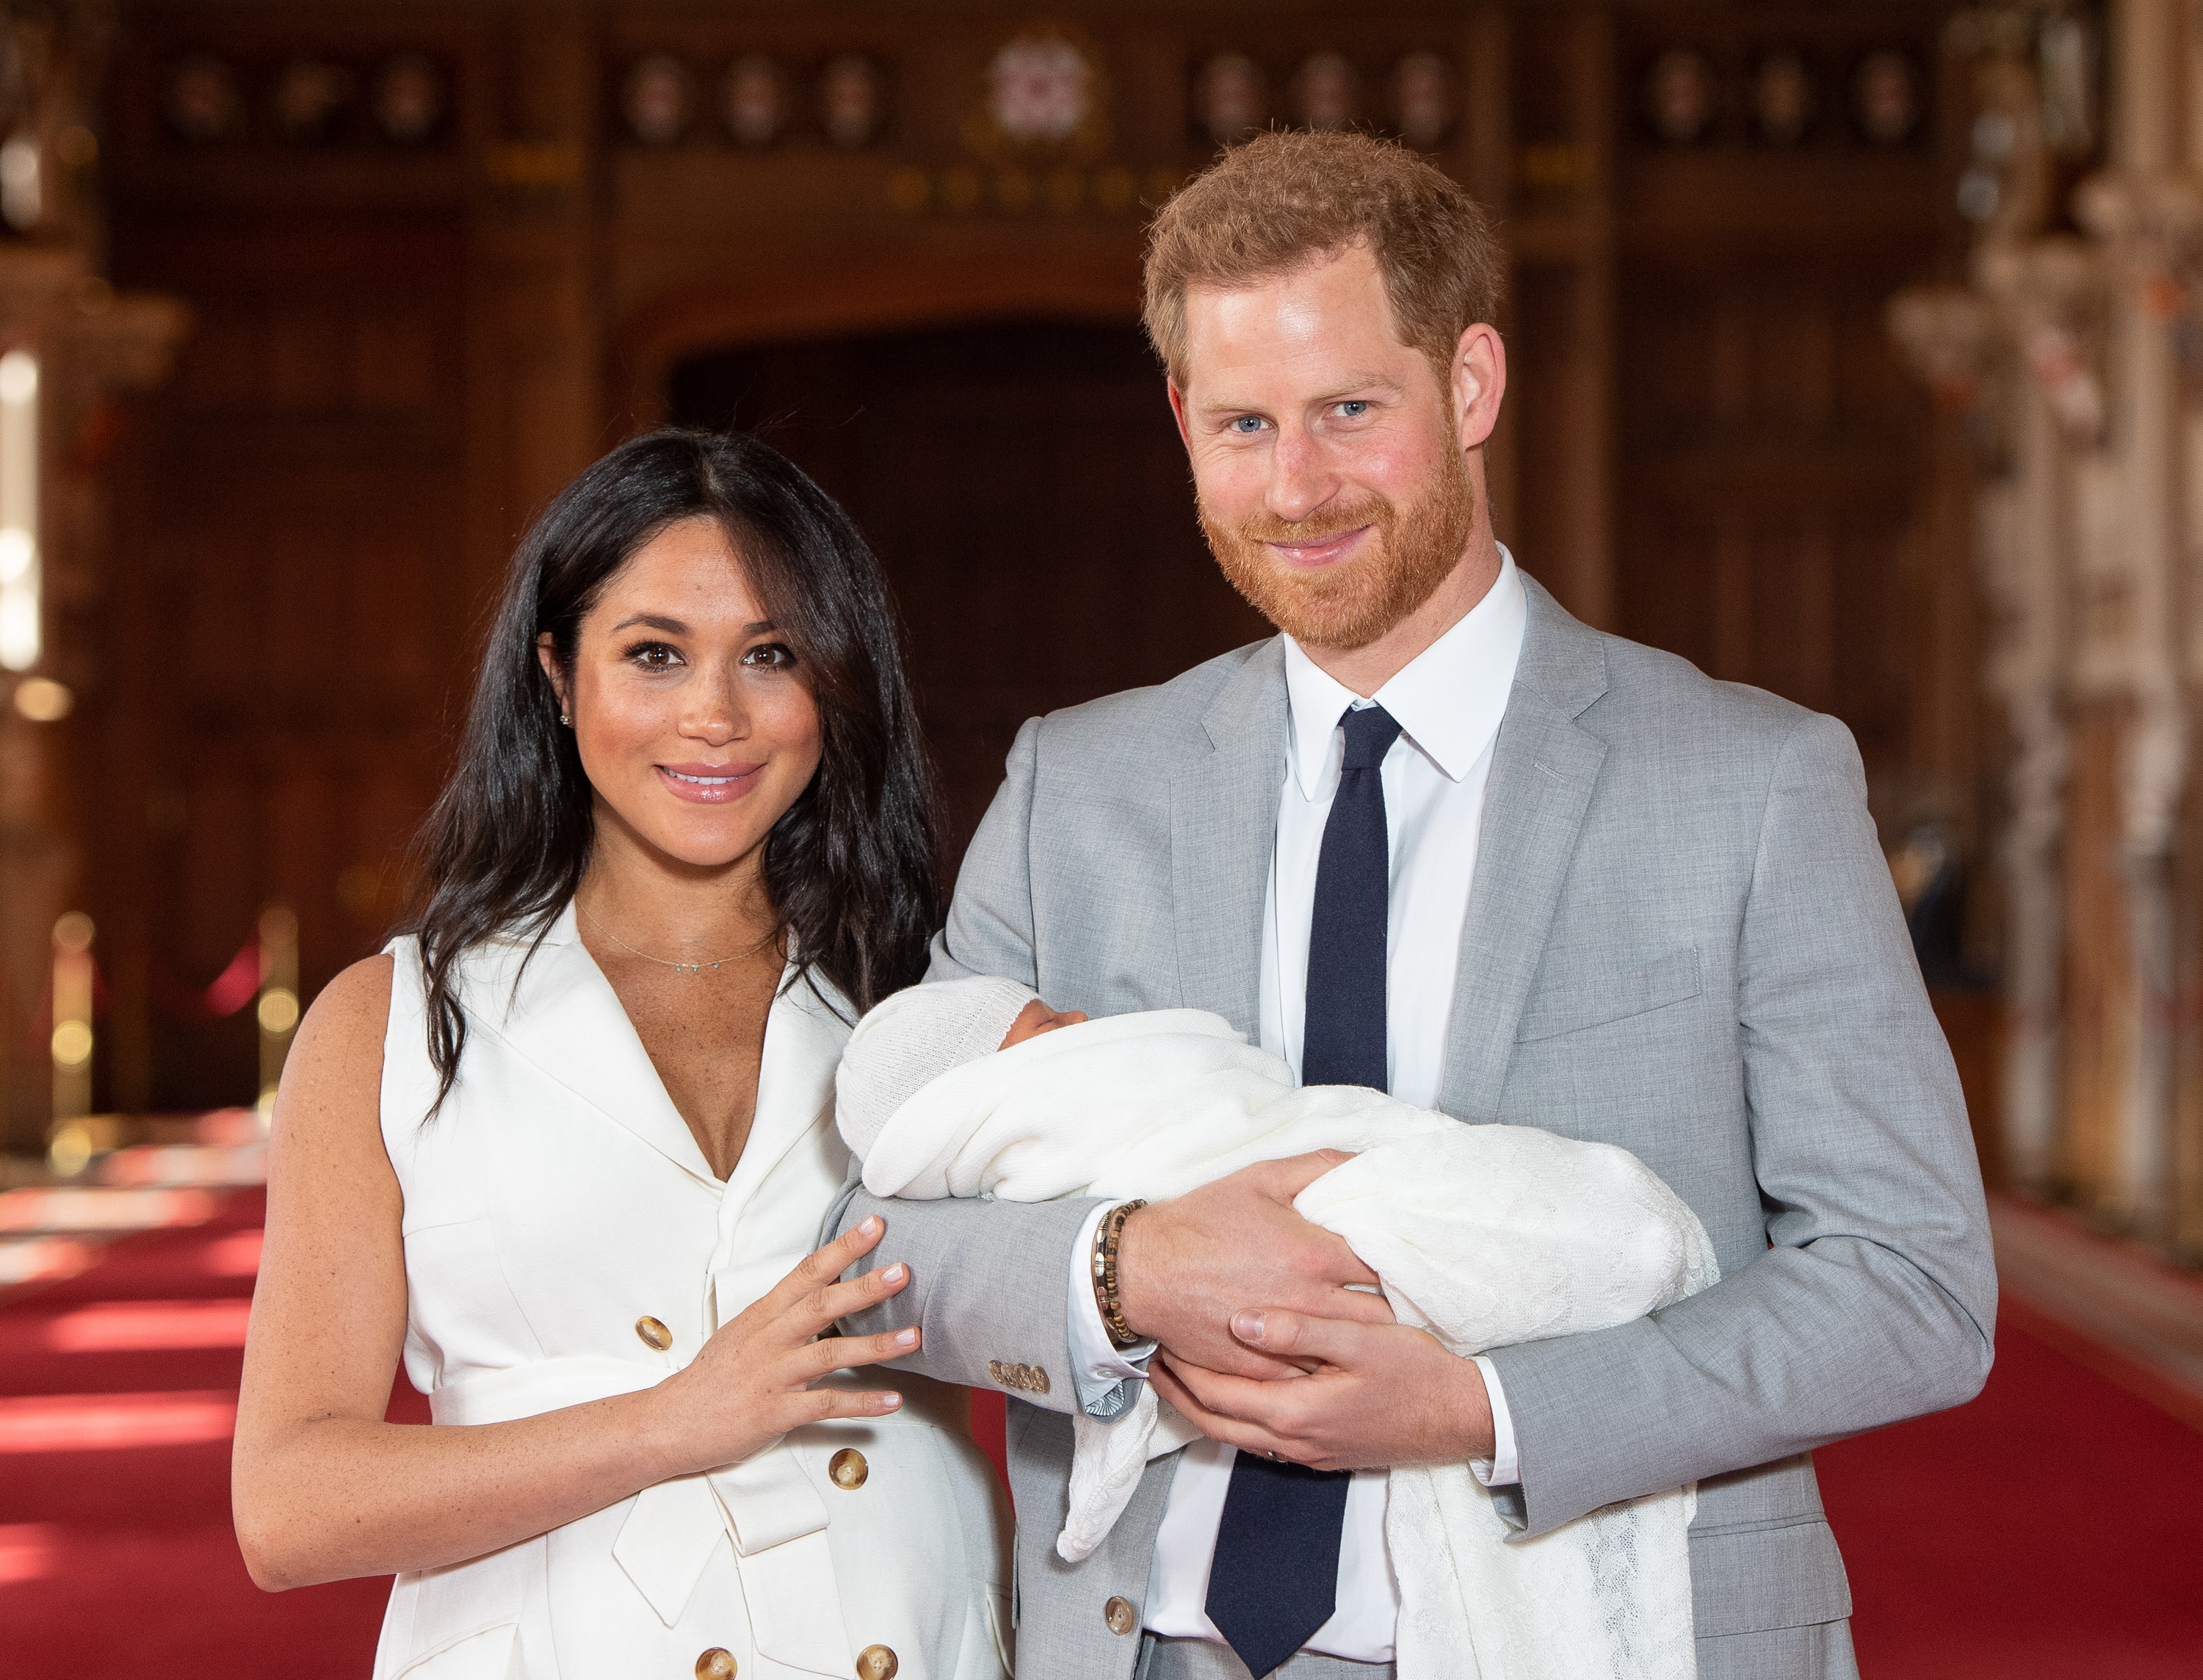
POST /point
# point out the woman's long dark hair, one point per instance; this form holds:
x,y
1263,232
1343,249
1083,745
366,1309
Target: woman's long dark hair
x,y
853,867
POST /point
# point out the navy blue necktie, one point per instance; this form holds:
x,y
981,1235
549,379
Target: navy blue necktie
x,y
1274,1579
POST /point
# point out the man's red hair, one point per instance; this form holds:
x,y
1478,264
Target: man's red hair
x,y
1284,201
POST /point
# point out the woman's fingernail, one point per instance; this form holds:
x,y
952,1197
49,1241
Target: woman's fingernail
x,y
871,1225
906,1338
889,1402
894,1274
1247,1325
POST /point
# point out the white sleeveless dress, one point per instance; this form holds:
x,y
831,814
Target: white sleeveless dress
x,y
555,1206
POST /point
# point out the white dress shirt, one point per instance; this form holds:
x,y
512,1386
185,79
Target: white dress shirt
x,y
1449,701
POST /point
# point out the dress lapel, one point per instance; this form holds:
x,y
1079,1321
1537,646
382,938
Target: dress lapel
x,y
803,1040
563,1015
1223,822
1544,766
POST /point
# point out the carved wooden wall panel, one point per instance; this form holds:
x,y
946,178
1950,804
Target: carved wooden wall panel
x,y
1770,446
1769,457
291,625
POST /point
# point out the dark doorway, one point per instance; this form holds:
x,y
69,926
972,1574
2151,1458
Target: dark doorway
x,y
1026,491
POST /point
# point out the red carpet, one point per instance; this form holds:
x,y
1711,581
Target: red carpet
x,y
118,1561
2050,1531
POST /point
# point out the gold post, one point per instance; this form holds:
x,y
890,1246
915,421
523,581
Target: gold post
x,y
279,998
71,1145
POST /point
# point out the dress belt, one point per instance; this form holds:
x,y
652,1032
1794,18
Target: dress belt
x,y
765,1505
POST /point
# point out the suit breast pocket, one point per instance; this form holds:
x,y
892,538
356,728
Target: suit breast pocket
x,y
1574,1006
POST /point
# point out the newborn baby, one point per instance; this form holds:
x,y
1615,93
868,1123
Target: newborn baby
x,y
1484,1235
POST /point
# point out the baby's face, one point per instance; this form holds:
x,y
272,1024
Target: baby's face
x,y
1035,1018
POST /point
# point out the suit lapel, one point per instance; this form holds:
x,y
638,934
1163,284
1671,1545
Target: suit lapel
x,y
1543,767
1224,821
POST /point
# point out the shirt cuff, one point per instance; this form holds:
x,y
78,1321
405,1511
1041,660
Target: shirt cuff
x,y
1505,1468
1099,1368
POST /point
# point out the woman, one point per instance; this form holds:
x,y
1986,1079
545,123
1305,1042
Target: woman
x,y
567,1142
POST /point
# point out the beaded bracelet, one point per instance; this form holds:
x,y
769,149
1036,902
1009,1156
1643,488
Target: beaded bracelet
x,y
1106,1236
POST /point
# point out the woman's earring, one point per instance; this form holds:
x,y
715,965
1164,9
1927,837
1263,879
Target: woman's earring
x,y
565,720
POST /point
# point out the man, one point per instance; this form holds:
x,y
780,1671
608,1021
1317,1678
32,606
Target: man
x,y
1440,837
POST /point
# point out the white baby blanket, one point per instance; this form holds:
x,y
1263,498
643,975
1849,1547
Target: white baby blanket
x,y
1484,1235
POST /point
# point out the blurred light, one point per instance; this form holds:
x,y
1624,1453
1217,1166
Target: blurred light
x,y
278,1009
90,1209
237,1255
42,700
134,1327
19,377
78,1422
228,1127
170,1164
22,198
21,634
278,1012
26,1551
43,1259
1980,192
70,1152
19,626
73,1043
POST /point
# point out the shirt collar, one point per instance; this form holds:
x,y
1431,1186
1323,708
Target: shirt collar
x,y
1449,698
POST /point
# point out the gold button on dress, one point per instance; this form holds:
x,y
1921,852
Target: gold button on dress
x,y
715,1663
1120,1616
876,1662
654,1333
848,1469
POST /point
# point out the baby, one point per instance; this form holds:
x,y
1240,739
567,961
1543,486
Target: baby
x,y
1484,1235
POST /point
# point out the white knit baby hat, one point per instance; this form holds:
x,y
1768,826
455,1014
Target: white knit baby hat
x,y
911,1041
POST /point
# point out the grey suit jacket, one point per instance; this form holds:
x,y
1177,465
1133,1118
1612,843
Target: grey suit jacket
x,y
1681,939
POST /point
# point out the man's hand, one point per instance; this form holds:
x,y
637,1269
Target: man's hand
x,y
1374,1395
1183,1265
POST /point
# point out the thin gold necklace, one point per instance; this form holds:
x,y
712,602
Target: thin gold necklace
x,y
677,968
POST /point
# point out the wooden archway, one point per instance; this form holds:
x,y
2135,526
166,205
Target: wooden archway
x,y
923,282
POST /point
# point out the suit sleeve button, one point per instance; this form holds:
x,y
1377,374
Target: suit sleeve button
x,y
653,1334
849,1470
876,1662
1120,1616
715,1663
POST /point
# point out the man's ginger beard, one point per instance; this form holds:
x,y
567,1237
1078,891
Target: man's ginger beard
x,y
1352,602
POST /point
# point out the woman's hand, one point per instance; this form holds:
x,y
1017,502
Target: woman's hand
x,y
751,1384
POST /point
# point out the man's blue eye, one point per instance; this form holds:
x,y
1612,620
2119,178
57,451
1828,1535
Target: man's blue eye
x,y
1248,423
1355,409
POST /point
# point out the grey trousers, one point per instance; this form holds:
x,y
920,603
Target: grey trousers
x,y
1206,1660
1821,1652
